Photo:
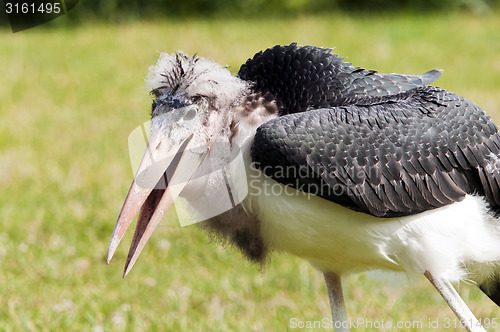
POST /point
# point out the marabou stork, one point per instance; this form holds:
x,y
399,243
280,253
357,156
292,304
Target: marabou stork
x,y
374,171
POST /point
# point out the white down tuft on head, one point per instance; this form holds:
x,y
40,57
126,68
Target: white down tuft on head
x,y
179,74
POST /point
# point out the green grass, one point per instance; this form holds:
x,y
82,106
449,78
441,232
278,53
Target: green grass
x,y
68,100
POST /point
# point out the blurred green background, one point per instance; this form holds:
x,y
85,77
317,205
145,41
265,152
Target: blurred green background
x,y
72,90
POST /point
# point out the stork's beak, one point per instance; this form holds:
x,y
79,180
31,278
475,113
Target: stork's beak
x,y
164,171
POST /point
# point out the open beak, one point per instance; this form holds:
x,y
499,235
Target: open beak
x,y
163,173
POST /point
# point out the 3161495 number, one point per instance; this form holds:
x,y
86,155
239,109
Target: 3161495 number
x,y
32,8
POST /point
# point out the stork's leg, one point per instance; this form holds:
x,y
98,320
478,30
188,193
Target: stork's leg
x,y
334,287
456,303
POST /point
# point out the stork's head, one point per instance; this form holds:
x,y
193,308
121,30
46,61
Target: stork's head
x,y
196,100
188,88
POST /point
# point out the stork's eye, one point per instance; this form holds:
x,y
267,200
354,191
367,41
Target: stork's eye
x,y
190,113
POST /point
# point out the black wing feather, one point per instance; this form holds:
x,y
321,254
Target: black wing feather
x,y
424,151
305,78
384,144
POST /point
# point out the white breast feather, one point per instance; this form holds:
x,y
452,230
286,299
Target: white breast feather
x,y
457,242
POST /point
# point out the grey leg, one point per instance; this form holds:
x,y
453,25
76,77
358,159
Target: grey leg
x,y
456,303
336,297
